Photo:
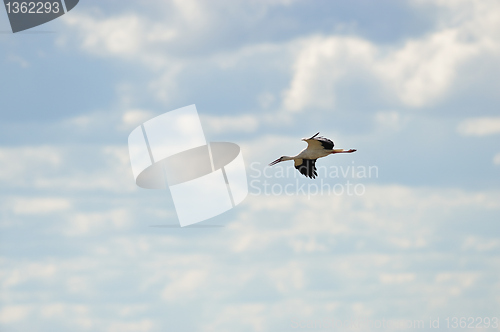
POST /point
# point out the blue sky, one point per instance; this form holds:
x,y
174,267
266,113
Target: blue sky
x,y
412,85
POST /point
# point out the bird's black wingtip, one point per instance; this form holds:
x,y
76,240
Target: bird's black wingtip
x,y
315,135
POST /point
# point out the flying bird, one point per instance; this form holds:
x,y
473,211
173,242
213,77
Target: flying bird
x,y
317,147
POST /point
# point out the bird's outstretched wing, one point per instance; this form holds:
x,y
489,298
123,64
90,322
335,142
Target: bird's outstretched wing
x,y
306,167
319,142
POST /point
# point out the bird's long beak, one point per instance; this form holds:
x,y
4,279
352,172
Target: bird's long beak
x,y
275,162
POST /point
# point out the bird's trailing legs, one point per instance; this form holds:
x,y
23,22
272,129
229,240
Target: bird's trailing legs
x,y
342,151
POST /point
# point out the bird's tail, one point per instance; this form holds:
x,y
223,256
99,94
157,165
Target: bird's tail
x,y
342,151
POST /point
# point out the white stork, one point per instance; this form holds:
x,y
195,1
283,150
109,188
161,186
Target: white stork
x,y
317,147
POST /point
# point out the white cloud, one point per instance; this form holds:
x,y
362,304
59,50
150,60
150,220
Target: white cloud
x,y
288,278
252,315
84,223
269,245
396,278
479,126
13,313
424,69
27,271
184,286
140,326
496,159
165,87
52,310
169,47
456,282
121,36
224,124
480,244
18,60
132,38
418,73
42,205
391,120
320,63
335,216
18,163
63,167
135,117
197,12
123,120
266,99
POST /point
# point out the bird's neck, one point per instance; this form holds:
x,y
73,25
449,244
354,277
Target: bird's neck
x,y
288,158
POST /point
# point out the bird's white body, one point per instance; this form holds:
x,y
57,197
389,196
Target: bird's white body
x,y
308,153
317,147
